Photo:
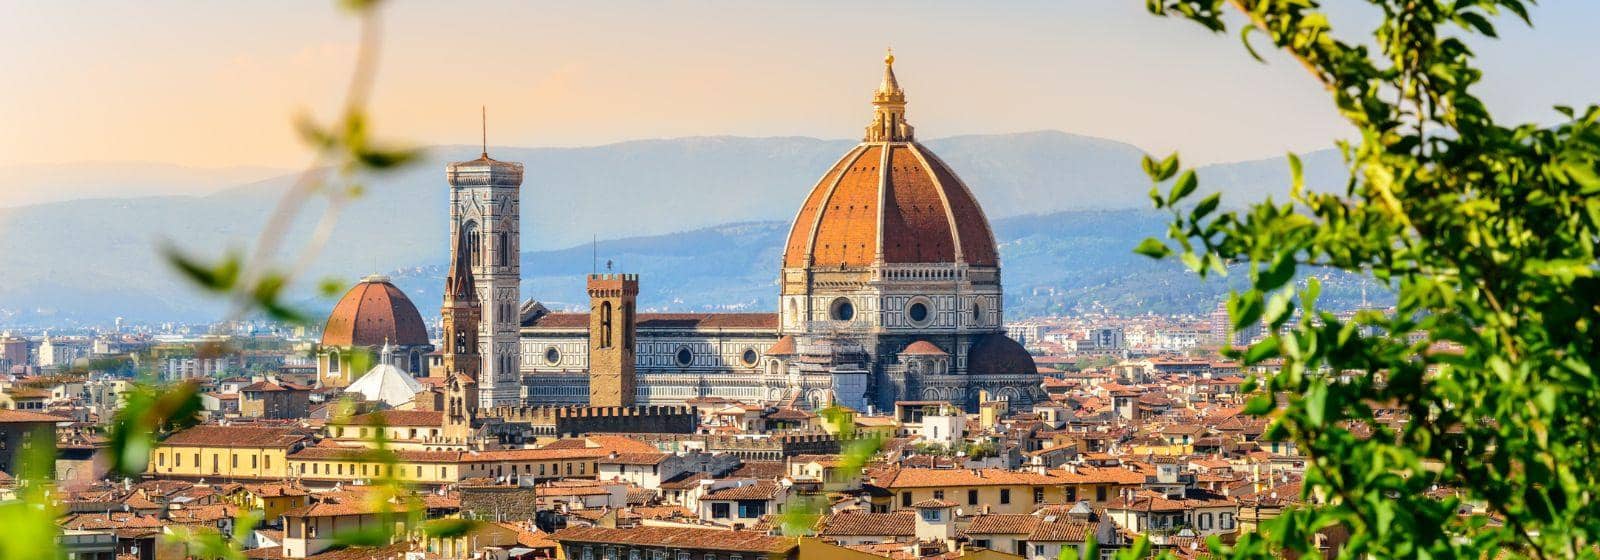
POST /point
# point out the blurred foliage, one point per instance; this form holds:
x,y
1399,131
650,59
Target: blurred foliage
x,y
149,410
254,281
802,513
1487,234
29,522
206,543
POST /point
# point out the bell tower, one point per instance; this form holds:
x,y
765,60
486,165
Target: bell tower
x,y
612,299
485,198
461,314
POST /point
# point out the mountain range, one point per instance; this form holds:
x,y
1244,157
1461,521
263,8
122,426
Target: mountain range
x,y
702,218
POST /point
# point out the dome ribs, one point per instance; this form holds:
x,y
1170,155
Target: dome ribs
x,y
373,313
847,227
803,232
971,224
916,227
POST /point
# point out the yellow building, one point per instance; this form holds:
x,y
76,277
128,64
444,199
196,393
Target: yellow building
x,y
271,498
402,429
549,462
334,464
227,453
975,490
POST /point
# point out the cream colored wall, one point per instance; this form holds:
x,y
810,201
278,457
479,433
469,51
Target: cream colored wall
x,y
242,462
350,469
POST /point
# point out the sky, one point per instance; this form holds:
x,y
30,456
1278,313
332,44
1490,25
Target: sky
x,y
215,84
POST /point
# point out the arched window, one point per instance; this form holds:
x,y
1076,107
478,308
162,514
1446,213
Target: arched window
x,y
416,362
627,326
333,362
605,324
501,248
474,242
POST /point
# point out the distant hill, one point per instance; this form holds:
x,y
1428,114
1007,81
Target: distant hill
x,y
663,207
24,185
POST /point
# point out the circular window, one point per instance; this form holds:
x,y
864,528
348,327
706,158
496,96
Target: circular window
x,y
842,310
750,356
917,312
552,356
684,357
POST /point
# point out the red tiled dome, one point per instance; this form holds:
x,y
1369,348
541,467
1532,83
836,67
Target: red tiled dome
x,y
373,313
783,347
923,348
926,214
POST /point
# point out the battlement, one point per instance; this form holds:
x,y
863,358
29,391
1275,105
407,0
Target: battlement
x,y
752,447
580,420
549,415
610,285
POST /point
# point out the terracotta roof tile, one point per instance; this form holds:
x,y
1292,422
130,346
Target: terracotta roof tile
x,y
431,418
859,524
936,478
678,537
760,490
207,435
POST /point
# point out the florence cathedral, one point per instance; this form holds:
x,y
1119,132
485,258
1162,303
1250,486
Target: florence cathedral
x,y
889,290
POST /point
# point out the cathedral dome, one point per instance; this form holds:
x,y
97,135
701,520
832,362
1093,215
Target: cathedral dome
x,y
997,354
889,200
374,313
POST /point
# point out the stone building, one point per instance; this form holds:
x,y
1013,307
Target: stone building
x,y
889,290
485,205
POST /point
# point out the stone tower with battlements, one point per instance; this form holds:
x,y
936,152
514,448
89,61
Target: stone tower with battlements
x,y
612,331
485,214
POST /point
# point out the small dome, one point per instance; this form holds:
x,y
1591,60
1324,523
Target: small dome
x,y
923,348
783,347
386,384
997,354
374,313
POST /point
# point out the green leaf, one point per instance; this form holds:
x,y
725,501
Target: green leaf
x,y
1206,206
1245,309
1185,185
1474,21
1259,404
1153,248
1276,275
1244,37
1162,170
1261,351
1316,403
1297,176
386,159
448,528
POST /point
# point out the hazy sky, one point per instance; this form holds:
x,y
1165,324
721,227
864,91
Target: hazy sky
x,y
215,83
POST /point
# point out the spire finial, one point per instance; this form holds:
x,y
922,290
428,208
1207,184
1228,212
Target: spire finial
x,y
889,108
484,128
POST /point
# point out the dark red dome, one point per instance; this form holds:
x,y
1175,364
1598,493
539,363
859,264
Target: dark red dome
x,y
997,354
374,313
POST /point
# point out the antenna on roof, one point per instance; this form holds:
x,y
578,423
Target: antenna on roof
x,y
594,254
483,124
